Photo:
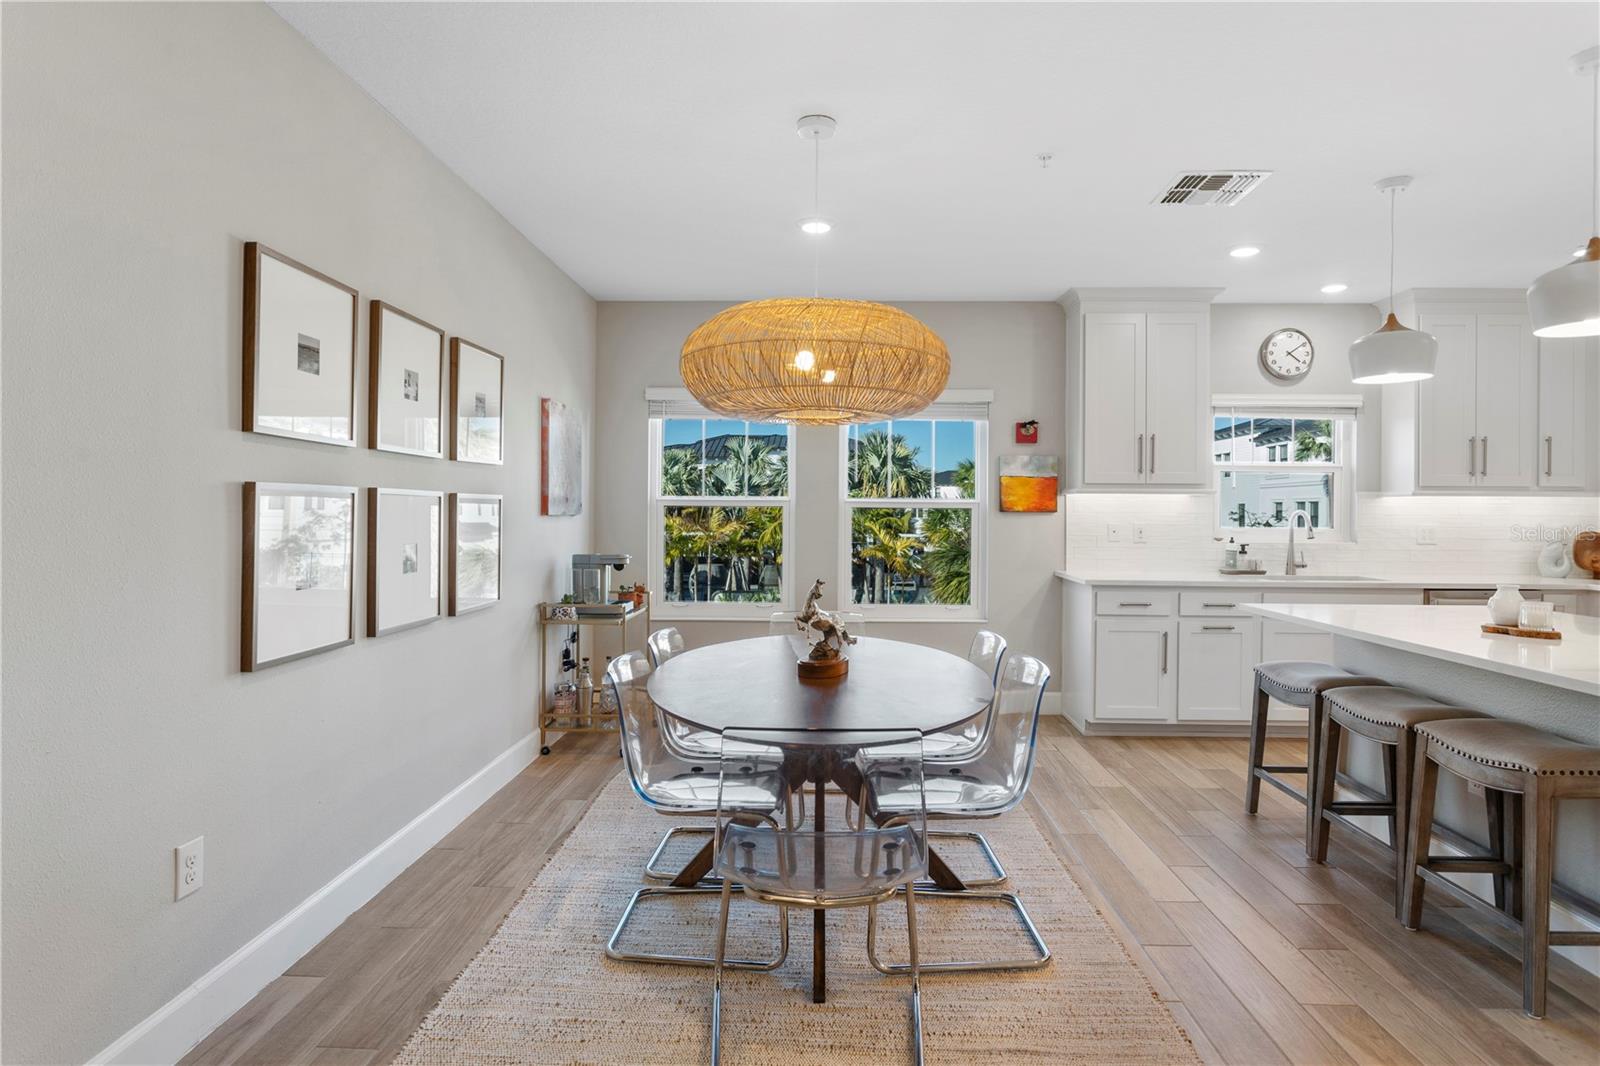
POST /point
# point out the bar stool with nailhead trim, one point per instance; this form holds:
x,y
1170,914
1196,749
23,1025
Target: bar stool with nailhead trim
x,y
1388,716
1299,684
1537,768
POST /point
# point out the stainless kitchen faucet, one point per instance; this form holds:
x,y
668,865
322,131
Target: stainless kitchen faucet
x,y
1289,565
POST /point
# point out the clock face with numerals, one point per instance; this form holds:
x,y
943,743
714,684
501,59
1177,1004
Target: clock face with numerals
x,y
1286,354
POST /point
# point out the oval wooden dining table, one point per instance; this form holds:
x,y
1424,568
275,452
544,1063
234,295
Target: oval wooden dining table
x,y
753,684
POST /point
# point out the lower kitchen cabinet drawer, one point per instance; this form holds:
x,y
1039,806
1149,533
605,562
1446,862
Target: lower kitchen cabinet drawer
x,y
1135,669
1220,602
1216,669
1135,601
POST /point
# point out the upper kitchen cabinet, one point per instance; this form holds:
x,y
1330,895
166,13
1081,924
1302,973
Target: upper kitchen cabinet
x,y
1138,381
1481,423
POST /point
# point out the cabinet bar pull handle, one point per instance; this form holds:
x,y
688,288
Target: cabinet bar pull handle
x,y
1483,464
1133,604
1472,456
1549,449
1141,453
1152,455
1163,651
1228,628
1219,605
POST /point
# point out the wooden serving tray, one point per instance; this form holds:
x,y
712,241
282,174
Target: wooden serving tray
x,y
1518,631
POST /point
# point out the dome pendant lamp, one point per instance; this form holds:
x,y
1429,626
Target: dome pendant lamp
x,y
1566,301
812,360
1392,353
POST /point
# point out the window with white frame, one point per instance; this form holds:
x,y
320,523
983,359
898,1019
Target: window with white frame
x,y
720,512
912,513
1273,459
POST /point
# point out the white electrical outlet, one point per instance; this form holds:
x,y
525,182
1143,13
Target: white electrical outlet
x,y
1427,535
1138,534
189,867
1113,532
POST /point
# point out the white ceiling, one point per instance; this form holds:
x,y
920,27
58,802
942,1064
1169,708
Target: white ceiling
x,y
650,149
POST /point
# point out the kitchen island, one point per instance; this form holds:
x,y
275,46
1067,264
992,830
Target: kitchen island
x,y
1441,653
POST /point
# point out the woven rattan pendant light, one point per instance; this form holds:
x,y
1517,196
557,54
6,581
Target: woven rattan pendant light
x,y
813,360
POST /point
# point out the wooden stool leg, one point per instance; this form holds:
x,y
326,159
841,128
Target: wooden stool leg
x,y
1494,802
1419,830
1514,879
1258,745
1538,836
1314,718
1327,768
1400,760
1389,793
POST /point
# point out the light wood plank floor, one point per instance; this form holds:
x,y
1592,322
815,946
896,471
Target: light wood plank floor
x,y
1263,957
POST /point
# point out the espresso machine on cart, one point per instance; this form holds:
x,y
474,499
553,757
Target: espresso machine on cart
x,y
591,583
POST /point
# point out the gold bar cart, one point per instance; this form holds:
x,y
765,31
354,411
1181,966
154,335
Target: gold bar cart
x,y
600,719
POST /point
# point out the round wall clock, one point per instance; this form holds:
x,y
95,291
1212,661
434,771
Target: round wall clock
x,y
1286,354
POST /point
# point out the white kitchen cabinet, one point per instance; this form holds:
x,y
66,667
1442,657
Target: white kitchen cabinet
x,y
1562,454
1475,416
1216,668
1285,641
1135,664
1139,379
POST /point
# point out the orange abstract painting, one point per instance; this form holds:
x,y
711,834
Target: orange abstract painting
x,y
1028,483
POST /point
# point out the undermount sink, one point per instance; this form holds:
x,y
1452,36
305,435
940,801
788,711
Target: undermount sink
x,y
1318,577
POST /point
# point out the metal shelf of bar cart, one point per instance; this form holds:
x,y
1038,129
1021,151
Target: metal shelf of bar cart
x,y
601,718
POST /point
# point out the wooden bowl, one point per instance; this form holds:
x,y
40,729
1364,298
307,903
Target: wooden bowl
x,y
1586,551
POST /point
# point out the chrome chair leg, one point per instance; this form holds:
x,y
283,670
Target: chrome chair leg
x,y
650,891
719,961
1010,899
999,877
916,973
656,873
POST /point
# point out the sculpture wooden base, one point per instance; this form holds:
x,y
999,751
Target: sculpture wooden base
x,y
819,669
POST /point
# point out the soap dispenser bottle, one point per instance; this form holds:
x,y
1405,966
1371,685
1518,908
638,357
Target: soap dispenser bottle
x,y
1230,556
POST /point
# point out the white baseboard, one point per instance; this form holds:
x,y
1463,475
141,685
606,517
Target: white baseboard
x,y
1051,704
186,1019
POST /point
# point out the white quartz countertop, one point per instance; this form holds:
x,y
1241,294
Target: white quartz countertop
x,y
1452,634
1212,579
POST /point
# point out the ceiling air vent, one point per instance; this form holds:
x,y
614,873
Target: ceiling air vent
x,y
1217,189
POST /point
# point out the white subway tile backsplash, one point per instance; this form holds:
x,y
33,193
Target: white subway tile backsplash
x,y
1472,534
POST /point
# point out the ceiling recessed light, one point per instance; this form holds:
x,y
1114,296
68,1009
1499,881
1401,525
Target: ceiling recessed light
x,y
1244,251
1336,287
815,226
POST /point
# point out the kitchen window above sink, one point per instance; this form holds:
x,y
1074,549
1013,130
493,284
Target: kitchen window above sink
x,y
1272,459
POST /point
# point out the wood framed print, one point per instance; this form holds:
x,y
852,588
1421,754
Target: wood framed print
x,y
299,350
405,559
560,459
406,379
299,544
474,523
477,381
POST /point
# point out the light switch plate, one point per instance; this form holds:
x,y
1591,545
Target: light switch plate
x,y
189,867
1427,535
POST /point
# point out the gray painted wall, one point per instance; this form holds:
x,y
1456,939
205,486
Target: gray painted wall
x,y
143,145
1013,348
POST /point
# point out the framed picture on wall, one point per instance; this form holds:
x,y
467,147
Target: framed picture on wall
x,y
1028,483
474,523
405,559
477,381
406,379
299,544
560,459
299,350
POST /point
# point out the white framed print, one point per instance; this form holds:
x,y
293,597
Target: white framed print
x,y
299,350
406,378
405,559
299,545
474,523
477,425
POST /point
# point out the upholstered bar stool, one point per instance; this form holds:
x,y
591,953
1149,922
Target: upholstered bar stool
x,y
1299,684
1390,717
1538,769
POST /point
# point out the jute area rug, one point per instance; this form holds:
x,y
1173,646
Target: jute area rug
x,y
543,991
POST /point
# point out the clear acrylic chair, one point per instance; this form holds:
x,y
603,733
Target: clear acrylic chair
x,y
674,785
786,867
988,651
684,739
991,782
